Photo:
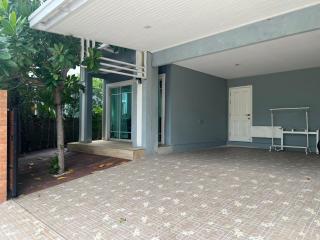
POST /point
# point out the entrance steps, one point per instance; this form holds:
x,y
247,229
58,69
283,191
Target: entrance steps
x,y
114,149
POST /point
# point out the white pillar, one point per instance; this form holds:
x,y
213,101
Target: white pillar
x,y
150,113
136,123
105,112
137,105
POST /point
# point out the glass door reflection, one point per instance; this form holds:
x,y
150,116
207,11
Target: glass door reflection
x,y
121,104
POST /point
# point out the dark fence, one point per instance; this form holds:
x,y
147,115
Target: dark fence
x,y
40,133
12,150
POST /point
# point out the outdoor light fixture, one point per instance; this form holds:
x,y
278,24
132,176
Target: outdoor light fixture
x,y
139,80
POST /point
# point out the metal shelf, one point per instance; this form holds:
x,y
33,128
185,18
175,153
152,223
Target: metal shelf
x,y
306,132
300,132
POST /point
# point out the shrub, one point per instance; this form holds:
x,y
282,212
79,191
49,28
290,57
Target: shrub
x,y
54,165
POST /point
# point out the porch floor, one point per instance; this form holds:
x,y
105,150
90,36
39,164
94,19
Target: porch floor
x,y
115,149
220,194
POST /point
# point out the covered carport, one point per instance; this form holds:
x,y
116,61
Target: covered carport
x,y
280,74
205,49
228,40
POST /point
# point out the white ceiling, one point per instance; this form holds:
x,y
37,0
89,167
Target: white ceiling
x,y
172,22
285,54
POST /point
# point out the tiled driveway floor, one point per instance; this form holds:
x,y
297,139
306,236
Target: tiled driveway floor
x,y
227,193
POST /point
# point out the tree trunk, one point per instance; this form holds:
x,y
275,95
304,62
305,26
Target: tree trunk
x,y
48,132
73,122
60,129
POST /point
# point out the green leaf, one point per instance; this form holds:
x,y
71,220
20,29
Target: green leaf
x,y
61,58
13,19
5,4
93,60
5,56
55,76
12,64
7,28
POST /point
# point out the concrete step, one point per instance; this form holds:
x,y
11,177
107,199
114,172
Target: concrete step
x,y
122,150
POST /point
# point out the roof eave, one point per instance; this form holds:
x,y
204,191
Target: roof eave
x,y
52,12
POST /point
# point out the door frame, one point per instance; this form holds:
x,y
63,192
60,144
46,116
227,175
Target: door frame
x,y
229,111
162,77
108,109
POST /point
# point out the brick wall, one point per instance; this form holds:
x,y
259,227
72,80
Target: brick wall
x,y
3,146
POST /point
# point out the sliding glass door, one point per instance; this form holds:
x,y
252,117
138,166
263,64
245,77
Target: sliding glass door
x,y
120,116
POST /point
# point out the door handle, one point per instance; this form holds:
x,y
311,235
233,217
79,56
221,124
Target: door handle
x,y
248,115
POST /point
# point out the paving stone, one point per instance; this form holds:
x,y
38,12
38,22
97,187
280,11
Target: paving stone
x,y
227,193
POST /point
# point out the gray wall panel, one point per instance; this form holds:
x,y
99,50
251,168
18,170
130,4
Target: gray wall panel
x,y
196,107
288,89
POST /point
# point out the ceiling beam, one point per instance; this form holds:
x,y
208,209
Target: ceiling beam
x,y
300,21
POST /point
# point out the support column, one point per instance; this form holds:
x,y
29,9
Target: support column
x,y
85,118
150,113
136,124
105,111
136,114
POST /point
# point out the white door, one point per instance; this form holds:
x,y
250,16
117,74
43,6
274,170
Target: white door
x,y
240,114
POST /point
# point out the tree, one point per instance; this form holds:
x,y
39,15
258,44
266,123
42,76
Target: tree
x,y
64,55
41,59
55,57
5,56
10,30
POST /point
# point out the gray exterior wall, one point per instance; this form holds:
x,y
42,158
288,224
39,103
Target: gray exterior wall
x,y
288,89
196,108
127,55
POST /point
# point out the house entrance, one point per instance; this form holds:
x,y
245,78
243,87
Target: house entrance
x,y
120,113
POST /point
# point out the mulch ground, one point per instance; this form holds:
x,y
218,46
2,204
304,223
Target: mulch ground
x,y
34,169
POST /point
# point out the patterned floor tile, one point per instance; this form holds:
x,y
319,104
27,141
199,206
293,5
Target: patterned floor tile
x,y
220,194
